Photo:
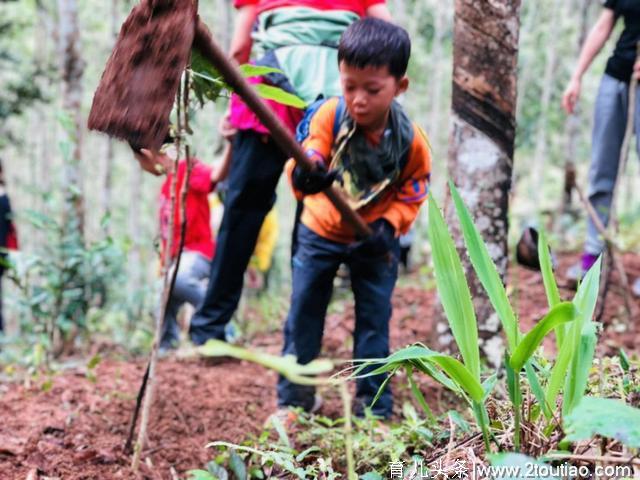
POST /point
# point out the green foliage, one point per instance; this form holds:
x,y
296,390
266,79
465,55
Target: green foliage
x,y
62,279
20,85
286,366
319,448
605,417
558,315
570,359
486,270
207,84
516,466
454,290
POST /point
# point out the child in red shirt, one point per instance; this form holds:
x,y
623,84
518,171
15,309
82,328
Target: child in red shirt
x,y
199,244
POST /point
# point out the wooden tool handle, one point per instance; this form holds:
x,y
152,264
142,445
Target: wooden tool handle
x,y
207,46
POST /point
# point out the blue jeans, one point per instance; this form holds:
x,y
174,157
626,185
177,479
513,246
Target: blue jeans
x,y
256,167
189,288
608,133
372,280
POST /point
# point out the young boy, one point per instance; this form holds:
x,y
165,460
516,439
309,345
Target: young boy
x,y
381,162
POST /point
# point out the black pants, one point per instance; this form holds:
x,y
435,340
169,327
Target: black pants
x,y
315,264
257,164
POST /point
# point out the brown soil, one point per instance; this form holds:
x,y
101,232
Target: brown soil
x,y
75,429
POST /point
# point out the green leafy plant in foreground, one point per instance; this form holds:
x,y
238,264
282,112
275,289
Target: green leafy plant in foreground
x,y
570,320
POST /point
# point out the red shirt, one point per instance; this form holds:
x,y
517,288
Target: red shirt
x,y
356,6
197,235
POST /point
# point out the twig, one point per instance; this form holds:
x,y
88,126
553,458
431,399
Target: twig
x,y
452,438
348,431
612,247
172,272
596,458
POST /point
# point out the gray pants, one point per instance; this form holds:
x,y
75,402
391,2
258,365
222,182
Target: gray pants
x,y
190,287
608,133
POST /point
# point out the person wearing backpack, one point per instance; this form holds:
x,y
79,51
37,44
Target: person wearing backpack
x,y
381,162
610,117
284,34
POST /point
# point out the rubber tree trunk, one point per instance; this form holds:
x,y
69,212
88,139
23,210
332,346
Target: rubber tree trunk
x,y
71,69
481,141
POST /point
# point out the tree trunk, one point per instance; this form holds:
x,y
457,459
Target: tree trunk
x,y
439,29
481,141
109,155
135,270
531,17
72,69
573,122
548,83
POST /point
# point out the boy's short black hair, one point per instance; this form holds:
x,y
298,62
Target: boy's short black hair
x,y
371,42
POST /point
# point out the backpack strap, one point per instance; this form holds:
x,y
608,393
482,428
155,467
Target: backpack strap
x,y
337,120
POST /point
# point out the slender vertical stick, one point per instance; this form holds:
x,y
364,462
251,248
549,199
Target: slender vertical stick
x,y
348,431
169,274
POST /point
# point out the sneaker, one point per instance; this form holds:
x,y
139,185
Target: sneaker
x,y
578,270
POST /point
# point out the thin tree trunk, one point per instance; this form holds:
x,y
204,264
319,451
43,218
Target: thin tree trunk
x,y
436,57
72,69
135,189
481,143
109,156
573,122
548,82
530,19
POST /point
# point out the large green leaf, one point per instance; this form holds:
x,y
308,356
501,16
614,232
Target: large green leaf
x,y
546,267
454,290
605,417
537,389
514,466
249,70
279,95
461,375
287,365
418,356
581,364
486,270
549,281
560,314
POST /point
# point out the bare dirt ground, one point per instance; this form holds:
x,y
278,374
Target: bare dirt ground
x,y
75,429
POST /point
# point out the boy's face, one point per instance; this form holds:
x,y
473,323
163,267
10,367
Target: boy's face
x,y
369,92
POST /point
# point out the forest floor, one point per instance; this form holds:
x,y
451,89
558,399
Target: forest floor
x,y
75,427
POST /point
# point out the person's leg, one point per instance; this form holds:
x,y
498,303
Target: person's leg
x,y
1,306
608,133
636,284
372,282
314,268
255,170
188,288
296,223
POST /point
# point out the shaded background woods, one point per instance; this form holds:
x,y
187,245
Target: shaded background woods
x,y
87,215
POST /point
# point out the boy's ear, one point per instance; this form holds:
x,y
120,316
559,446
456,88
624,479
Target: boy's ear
x,y
403,85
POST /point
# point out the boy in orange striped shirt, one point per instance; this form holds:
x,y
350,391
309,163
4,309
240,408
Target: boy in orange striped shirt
x,y
364,144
